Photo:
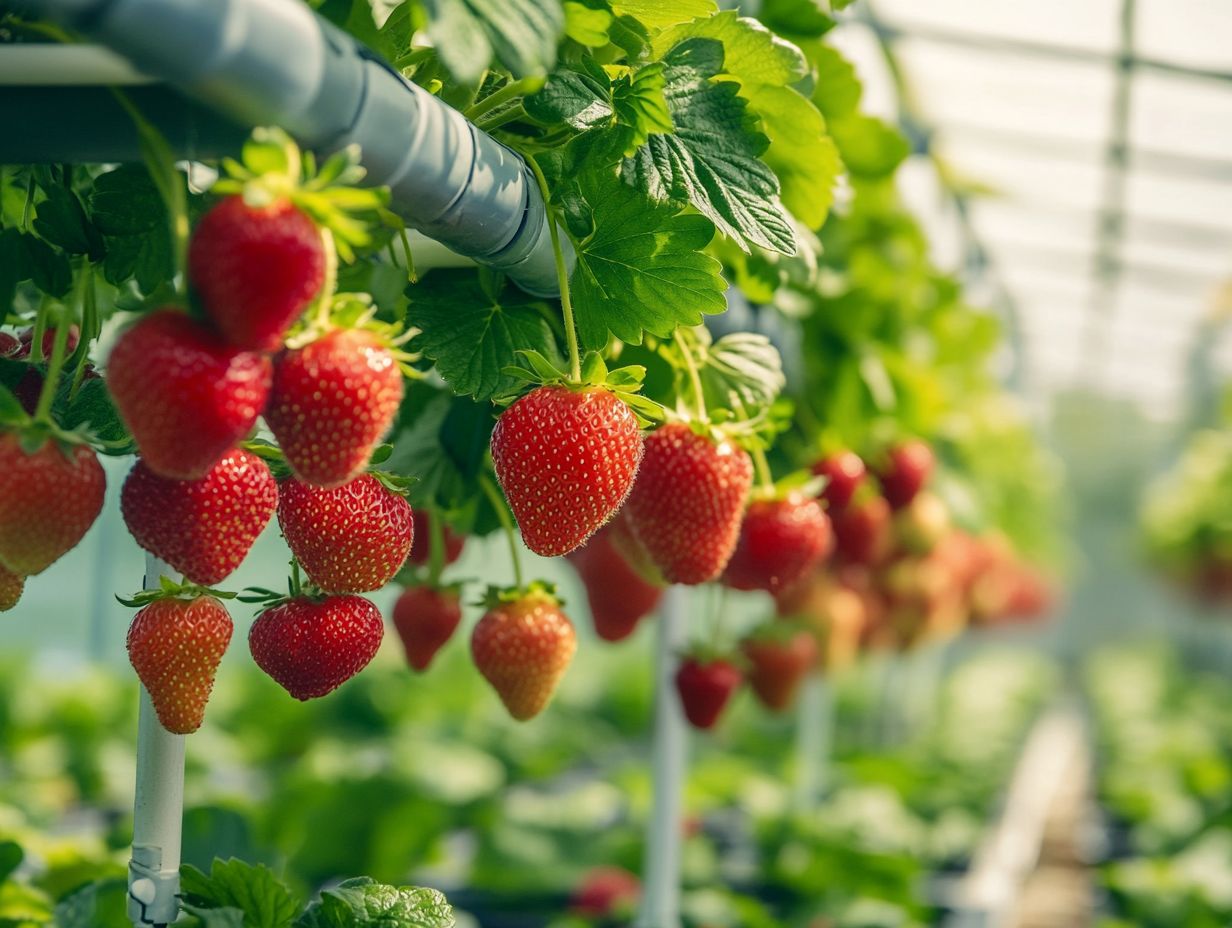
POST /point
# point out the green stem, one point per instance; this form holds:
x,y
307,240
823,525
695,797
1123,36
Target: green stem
x,y
410,258
296,584
513,114
508,92
436,546
42,412
720,616
695,380
89,327
562,276
413,58
764,477
325,298
25,211
502,513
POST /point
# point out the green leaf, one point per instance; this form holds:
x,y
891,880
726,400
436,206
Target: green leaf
x,y
363,902
254,890
61,220
521,34
800,152
642,269
640,104
870,148
228,917
712,160
471,334
11,413
588,23
581,99
744,364
797,17
22,906
127,209
837,90
92,407
49,269
12,260
103,904
659,14
11,854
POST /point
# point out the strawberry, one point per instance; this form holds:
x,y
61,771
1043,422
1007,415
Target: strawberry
x,y
706,685
425,618
311,645
523,645
844,472
26,346
176,645
686,505
922,524
778,663
11,587
49,498
256,269
332,402
186,395
905,471
421,544
862,532
203,528
566,459
605,893
619,596
781,540
10,345
350,539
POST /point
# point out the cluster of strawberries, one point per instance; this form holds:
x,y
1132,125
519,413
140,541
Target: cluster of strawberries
x,y
190,391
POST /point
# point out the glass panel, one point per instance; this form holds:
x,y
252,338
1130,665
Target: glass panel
x,y
1091,24
1192,32
1182,114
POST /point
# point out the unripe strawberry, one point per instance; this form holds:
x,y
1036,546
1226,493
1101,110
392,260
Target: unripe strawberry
x,y
425,618
49,498
687,502
312,646
332,401
351,539
203,528
256,269
522,646
566,459
176,645
186,395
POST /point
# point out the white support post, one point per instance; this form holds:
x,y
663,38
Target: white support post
x,y
814,734
661,867
158,807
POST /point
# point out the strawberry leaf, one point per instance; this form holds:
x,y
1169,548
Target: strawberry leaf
x,y
233,884
520,34
363,902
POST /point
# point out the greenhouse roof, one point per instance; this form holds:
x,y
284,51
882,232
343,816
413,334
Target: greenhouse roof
x,y
1091,145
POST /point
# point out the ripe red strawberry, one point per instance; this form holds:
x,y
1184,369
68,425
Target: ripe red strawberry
x,y
566,459
605,893
907,468
10,345
11,587
421,544
686,505
844,471
48,501
312,646
706,686
49,340
203,528
523,645
176,645
425,618
256,269
862,532
618,595
778,665
186,395
781,540
350,539
332,402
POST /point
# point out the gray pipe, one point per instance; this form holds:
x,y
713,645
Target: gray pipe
x,y
275,62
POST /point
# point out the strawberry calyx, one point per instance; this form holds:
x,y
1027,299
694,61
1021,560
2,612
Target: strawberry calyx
x,y
272,168
297,589
170,589
537,590
705,653
34,432
624,382
800,483
356,311
779,632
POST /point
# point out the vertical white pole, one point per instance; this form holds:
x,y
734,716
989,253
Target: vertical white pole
x,y
814,722
661,868
158,807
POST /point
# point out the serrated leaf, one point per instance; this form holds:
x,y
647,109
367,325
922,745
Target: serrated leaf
x,y
62,221
521,34
580,99
11,413
659,14
126,208
640,104
712,160
745,364
102,904
870,147
588,23
797,18
363,902
49,269
228,917
751,52
253,890
12,259
837,90
472,336
642,269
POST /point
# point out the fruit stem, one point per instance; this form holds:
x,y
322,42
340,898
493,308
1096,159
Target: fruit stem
x,y
330,283
89,326
695,380
764,476
25,210
502,513
562,276
508,92
42,412
410,258
436,546
297,583
719,614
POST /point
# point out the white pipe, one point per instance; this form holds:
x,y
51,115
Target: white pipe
x,y
814,732
158,807
661,867
45,65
